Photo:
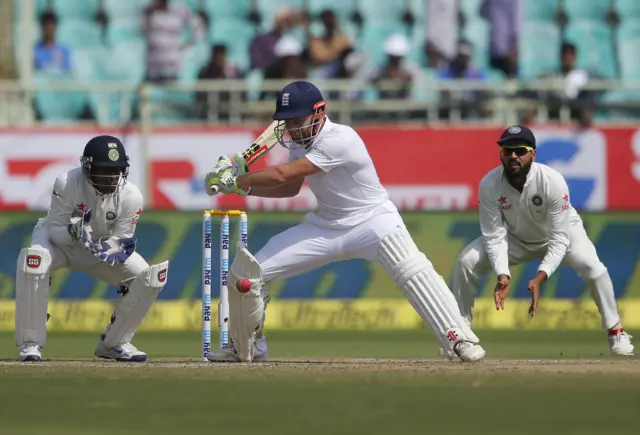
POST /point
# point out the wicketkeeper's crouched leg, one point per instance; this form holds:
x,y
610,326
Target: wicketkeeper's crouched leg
x,y
428,294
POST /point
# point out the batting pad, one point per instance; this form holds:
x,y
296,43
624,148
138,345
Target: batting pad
x,y
134,305
32,295
424,288
246,310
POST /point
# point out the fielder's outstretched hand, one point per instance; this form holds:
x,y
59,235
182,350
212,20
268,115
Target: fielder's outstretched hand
x,y
534,287
501,291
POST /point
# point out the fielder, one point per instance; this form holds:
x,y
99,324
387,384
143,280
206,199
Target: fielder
x,y
89,227
355,219
526,214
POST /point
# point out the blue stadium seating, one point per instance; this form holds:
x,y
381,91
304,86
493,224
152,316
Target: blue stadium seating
x,y
627,8
58,107
629,59
193,60
594,42
630,28
586,9
237,36
421,91
124,8
540,10
371,42
470,8
380,11
191,4
419,9
76,10
123,30
254,84
477,32
78,33
541,54
218,9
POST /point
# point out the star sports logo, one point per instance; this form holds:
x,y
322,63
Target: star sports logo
x,y
137,217
566,202
503,203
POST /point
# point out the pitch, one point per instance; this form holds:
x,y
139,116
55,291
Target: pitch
x,y
326,383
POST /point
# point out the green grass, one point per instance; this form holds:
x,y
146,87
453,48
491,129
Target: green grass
x,y
588,393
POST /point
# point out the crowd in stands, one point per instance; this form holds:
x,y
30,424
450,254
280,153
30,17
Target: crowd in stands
x,y
387,46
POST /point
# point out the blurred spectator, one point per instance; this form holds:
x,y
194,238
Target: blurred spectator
x,y
442,31
326,50
218,67
288,64
163,25
50,55
574,80
262,48
395,79
460,68
505,20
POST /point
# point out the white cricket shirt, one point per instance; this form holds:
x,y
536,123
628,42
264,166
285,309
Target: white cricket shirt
x,y
347,189
540,215
112,215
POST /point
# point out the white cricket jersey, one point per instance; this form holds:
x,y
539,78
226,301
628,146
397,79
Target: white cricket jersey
x,y
540,215
347,189
112,215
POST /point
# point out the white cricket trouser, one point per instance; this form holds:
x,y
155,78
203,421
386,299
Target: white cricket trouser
x,y
307,246
581,256
77,258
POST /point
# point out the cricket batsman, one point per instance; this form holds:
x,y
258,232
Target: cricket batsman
x,y
355,219
526,214
89,227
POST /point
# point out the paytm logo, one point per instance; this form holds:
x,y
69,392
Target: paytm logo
x,y
582,158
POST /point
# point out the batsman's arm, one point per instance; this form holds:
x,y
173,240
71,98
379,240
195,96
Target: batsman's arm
x,y
287,190
493,229
277,175
558,217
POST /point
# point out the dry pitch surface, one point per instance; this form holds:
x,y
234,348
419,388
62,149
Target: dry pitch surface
x,y
321,384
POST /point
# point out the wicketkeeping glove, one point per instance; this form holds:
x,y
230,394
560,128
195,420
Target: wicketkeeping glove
x,y
115,250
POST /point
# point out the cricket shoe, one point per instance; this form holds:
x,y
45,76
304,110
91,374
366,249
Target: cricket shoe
x,y
30,351
469,352
229,354
620,342
121,352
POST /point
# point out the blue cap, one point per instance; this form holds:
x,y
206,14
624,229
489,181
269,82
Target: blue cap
x,y
106,151
517,135
297,100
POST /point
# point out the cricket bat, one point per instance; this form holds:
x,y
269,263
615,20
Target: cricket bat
x,y
260,146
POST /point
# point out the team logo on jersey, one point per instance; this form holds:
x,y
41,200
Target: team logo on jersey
x,y
113,155
162,275
536,200
111,215
33,261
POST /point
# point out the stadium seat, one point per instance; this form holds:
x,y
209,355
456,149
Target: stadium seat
x,y
40,6
125,63
540,10
123,30
218,9
58,106
470,8
170,106
586,9
594,42
237,36
124,8
372,40
380,11
253,80
418,55
629,28
419,10
76,33
477,32
629,59
192,61
541,54
342,8
421,91
627,8
76,10
87,63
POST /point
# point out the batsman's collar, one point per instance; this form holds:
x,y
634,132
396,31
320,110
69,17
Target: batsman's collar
x,y
517,135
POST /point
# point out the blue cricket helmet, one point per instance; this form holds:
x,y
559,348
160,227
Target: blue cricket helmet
x,y
297,100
